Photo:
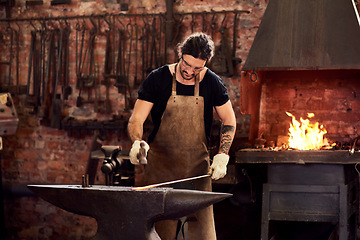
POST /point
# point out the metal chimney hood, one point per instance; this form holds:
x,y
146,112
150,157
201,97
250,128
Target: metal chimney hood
x,y
306,34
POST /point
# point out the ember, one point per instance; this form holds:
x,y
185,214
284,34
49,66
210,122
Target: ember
x,y
304,135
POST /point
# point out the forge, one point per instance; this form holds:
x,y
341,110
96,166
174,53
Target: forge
x,y
319,186
122,213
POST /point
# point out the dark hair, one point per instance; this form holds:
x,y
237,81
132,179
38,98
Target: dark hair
x,y
198,45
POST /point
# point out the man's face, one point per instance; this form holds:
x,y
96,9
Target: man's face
x,y
190,66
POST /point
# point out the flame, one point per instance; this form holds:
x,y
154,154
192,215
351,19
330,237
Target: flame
x,y
304,135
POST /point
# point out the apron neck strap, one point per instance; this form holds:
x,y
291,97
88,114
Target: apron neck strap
x,y
197,80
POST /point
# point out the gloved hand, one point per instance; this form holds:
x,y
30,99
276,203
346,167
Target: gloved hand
x,y
135,149
219,165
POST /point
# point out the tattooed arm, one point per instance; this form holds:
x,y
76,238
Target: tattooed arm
x,y
227,116
218,167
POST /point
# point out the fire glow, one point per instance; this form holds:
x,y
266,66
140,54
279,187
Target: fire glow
x,y
304,135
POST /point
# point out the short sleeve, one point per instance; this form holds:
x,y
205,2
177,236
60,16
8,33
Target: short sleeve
x,y
146,91
221,96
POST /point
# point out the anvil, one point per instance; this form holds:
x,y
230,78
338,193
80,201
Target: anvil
x,y
122,213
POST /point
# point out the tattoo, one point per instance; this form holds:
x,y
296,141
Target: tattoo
x,y
226,138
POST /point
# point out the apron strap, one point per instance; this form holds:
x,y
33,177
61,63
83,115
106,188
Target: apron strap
x,y
196,89
173,93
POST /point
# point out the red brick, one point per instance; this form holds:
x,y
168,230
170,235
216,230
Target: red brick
x,y
339,93
357,129
42,165
355,106
53,144
28,154
313,104
328,105
332,127
300,104
80,156
311,93
27,143
342,105
36,177
67,146
347,129
280,129
39,144
51,176
56,165
29,165
285,104
348,117
281,93
271,104
51,132
59,156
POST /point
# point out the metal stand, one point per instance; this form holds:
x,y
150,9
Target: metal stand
x,y
311,193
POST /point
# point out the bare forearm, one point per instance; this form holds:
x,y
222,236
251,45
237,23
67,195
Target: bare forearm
x,y
137,119
226,138
135,130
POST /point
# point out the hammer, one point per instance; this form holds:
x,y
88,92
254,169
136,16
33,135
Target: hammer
x,y
142,154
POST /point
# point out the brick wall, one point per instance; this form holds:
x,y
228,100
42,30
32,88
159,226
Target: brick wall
x,y
40,154
331,95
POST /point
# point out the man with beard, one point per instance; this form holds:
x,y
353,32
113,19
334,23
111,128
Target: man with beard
x,y
180,98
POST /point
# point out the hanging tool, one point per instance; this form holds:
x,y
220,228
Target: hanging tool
x,y
108,66
136,80
222,62
235,60
153,55
213,25
56,104
47,81
66,88
204,23
79,51
128,98
17,37
87,57
11,32
193,22
30,97
123,67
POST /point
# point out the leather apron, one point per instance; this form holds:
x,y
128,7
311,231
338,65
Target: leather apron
x,y
179,151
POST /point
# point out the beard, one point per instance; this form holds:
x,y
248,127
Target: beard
x,y
185,75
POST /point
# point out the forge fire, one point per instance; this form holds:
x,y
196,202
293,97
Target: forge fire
x,y
305,135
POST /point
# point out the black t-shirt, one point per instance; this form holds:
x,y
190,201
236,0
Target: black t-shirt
x,y
157,87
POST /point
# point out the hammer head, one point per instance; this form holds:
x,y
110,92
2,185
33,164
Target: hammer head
x,y
142,154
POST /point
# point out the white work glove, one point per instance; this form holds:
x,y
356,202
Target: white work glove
x,y
219,165
134,151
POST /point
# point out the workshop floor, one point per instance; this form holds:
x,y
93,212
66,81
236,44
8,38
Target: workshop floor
x,y
236,220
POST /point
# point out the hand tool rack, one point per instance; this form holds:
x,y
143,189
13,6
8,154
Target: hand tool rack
x,y
113,53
